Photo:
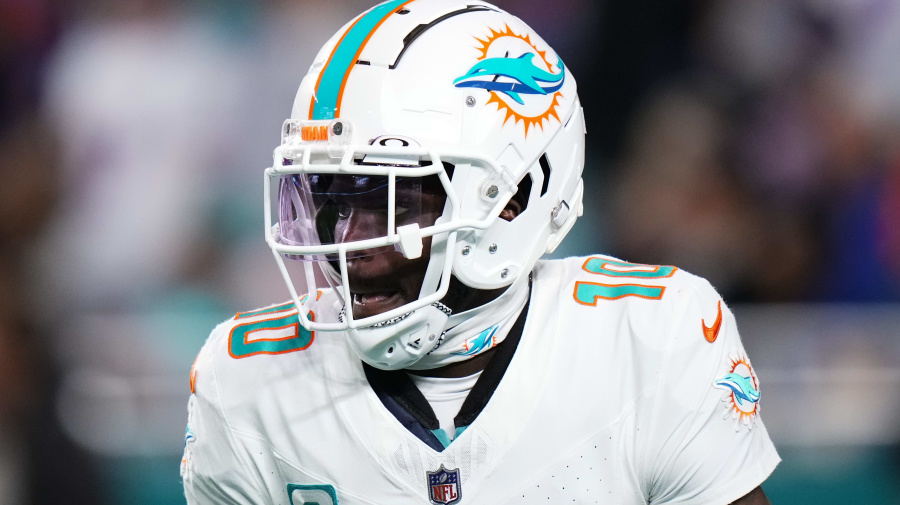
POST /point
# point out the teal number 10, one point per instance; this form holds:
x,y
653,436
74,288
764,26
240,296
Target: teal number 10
x,y
589,293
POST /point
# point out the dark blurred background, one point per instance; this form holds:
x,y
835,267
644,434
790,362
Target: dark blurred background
x,y
756,144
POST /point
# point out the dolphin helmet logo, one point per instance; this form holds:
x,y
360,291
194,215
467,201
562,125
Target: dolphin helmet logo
x,y
524,73
527,87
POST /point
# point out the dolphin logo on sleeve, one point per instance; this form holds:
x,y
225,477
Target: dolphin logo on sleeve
x,y
740,386
527,77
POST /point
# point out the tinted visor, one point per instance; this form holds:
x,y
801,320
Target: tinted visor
x,y
326,209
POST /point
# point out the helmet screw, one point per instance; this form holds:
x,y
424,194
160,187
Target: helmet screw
x,y
466,250
492,249
492,191
504,273
431,337
338,128
470,101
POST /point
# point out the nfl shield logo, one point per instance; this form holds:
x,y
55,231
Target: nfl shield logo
x,y
443,486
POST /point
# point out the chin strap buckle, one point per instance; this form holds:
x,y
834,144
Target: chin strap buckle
x,y
560,214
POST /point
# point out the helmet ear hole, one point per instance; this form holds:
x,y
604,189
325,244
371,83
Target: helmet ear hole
x,y
519,202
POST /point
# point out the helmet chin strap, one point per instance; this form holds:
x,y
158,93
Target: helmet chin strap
x,y
477,330
429,337
399,342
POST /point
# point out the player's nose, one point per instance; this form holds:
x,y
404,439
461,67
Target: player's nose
x,y
358,226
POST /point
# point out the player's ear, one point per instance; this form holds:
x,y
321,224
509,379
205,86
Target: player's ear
x,y
513,208
517,203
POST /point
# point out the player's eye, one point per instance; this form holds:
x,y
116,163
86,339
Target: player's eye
x,y
344,210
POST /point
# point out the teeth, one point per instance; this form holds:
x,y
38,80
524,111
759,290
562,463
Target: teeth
x,y
366,298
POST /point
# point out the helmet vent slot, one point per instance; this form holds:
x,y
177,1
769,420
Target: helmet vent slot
x,y
545,168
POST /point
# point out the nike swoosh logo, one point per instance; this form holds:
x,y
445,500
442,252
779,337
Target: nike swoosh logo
x,y
712,332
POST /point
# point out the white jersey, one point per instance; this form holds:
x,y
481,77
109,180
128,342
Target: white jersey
x,y
629,385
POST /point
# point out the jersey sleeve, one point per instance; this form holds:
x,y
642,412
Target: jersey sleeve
x,y
213,468
707,442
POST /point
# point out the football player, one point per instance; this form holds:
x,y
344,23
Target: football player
x,y
433,155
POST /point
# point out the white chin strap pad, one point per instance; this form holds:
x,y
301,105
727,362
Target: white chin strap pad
x,y
398,345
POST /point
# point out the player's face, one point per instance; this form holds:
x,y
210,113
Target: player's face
x,y
383,279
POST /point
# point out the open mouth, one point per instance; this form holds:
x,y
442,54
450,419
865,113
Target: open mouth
x,y
362,299
375,302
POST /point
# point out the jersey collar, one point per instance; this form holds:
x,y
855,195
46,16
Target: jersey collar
x,y
403,399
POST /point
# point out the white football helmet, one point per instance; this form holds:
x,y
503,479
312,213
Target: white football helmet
x,y
416,98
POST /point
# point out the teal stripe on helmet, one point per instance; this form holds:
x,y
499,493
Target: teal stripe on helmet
x,y
336,71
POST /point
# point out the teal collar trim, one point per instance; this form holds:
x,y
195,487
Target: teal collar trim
x,y
442,437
